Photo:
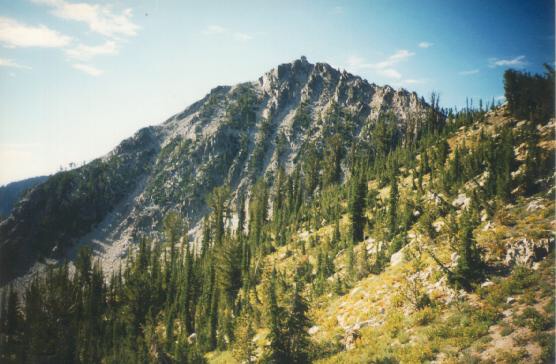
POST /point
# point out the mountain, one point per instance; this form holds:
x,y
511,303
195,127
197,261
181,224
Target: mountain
x,y
233,136
12,192
307,217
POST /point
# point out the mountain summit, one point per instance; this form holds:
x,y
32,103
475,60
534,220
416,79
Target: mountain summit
x,y
305,217
233,136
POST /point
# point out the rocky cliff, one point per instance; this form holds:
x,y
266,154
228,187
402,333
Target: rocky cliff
x,y
233,136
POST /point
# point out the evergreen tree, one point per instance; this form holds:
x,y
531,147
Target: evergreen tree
x,y
505,163
332,172
393,207
217,202
240,216
470,266
10,327
277,351
363,268
244,348
358,193
533,158
297,325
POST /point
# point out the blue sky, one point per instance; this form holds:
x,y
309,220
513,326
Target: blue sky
x,y
78,77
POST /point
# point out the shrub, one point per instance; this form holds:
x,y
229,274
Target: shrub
x,y
532,319
424,317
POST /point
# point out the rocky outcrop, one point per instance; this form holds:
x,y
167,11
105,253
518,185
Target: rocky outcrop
x,y
232,136
526,252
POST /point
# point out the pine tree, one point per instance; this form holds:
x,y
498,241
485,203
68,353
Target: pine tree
x,y
336,237
186,290
358,193
533,159
206,239
505,163
351,262
217,202
277,351
363,268
11,327
311,169
240,216
393,207
332,160
470,266
297,325
244,347
213,317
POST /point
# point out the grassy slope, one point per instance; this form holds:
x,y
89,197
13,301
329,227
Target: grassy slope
x,y
510,320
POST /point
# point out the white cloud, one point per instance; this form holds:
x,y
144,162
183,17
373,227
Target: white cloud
x,y
412,81
384,67
469,72
425,45
518,61
4,62
399,55
85,52
355,61
214,29
15,34
242,37
99,18
337,10
409,82
90,70
220,30
390,73
500,98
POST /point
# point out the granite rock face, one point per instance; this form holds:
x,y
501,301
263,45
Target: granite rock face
x,y
233,136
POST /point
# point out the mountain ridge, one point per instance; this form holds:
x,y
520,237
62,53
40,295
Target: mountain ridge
x,y
237,126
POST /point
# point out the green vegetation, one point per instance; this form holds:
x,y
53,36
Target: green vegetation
x,y
374,250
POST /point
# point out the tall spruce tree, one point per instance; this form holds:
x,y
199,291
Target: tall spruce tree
x,y
277,352
297,325
358,192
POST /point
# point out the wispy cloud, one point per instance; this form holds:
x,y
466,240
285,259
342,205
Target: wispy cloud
x,y
399,55
468,72
337,10
214,29
425,44
99,18
220,30
4,62
518,61
413,81
409,82
390,73
384,67
86,52
15,34
242,37
90,70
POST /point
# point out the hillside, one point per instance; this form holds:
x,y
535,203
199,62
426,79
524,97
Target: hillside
x,y
12,192
334,222
233,136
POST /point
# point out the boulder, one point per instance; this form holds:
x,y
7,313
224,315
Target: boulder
x,y
525,252
313,330
397,258
461,201
487,284
351,338
192,338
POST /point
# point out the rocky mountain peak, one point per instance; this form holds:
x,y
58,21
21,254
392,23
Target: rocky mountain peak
x,y
233,136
